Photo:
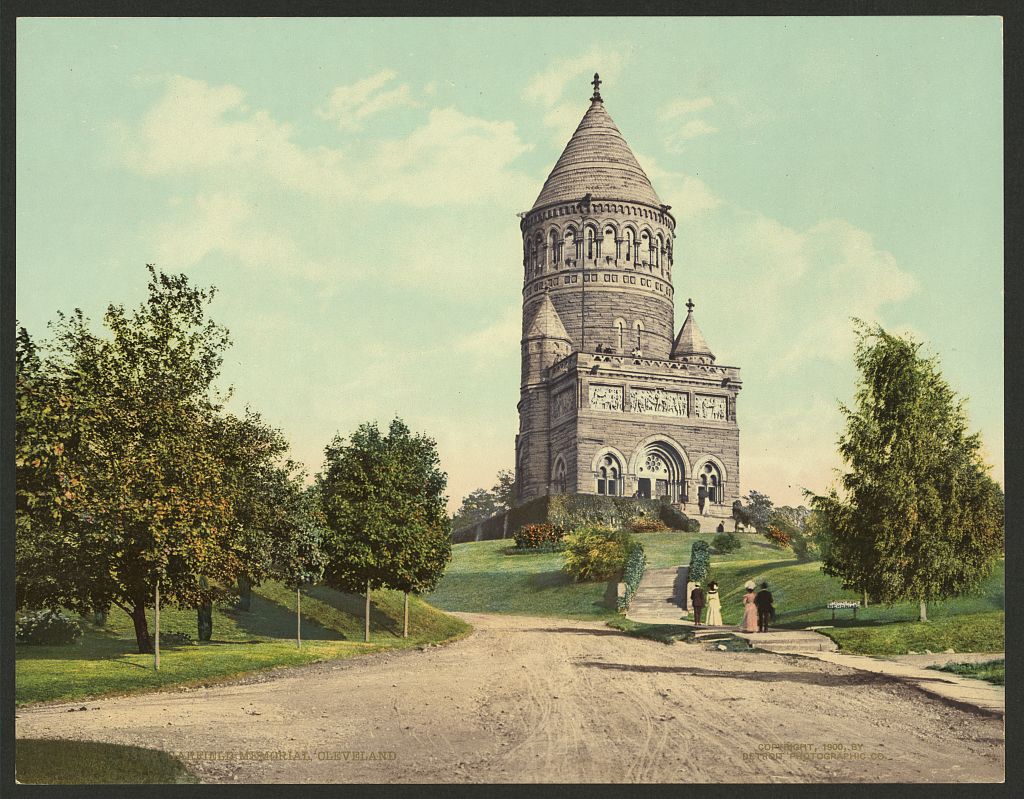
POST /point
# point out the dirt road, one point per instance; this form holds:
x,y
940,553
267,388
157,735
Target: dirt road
x,y
548,700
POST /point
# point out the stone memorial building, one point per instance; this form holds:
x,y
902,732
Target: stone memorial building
x,y
614,400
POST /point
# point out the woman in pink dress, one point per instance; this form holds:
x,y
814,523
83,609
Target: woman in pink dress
x,y
749,623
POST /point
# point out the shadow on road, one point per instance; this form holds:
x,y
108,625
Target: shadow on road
x,y
573,630
807,678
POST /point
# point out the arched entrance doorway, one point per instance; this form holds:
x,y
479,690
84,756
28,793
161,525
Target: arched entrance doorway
x,y
660,471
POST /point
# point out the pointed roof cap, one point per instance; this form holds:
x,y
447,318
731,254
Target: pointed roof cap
x,y
690,345
597,161
546,322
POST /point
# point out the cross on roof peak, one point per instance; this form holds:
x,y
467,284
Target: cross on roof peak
x,y
596,83
690,306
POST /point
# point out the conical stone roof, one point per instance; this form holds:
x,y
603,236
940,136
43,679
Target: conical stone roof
x,y
597,161
690,342
546,322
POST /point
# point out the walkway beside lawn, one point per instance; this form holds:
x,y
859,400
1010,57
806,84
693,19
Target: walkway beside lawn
x,y
967,691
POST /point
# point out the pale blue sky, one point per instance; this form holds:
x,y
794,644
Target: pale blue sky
x,y
351,186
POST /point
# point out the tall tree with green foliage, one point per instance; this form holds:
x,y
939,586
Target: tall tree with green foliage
x,y
132,483
383,498
919,517
481,504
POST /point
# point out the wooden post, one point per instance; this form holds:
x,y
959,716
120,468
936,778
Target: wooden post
x,y
298,618
366,625
156,648
923,615
405,626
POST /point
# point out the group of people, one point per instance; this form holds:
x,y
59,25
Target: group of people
x,y
758,608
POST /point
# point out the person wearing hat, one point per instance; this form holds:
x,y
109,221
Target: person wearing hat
x,y
714,618
749,623
697,600
765,608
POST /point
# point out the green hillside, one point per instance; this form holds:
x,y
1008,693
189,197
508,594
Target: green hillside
x,y
106,661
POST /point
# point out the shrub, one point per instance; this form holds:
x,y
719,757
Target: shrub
x,y
692,525
646,525
596,553
636,562
47,627
726,542
171,638
674,518
700,562
534,536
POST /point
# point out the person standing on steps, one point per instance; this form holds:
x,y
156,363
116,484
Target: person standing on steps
x,y
697,600
765,609
749,623
714,618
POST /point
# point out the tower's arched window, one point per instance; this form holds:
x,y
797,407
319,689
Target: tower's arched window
x,y
553,247
589,233
629,244
620,334
608,243
558,478
608,474
569,241
645,247
638,329
538,250
659,245
710,484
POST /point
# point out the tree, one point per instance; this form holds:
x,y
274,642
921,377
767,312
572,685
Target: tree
x,y
299,559
919,517
383,499
481,504
133,486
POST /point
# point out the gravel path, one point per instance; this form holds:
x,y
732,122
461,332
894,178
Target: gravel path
x,y
548,700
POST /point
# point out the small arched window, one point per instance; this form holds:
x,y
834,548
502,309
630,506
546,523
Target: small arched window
x,y
638,329
590,243
538,251
559,476
569,242
629,244
659,245
608,243
645,247
553,247
620,333
608,476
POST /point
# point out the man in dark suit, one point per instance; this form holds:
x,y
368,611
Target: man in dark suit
x,y
697,600
765,609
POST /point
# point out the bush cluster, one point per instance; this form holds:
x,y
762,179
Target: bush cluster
x,y
675,519
46,627
596,553
777,535
534,536
700,562
644,524
726,542
632,573
172,638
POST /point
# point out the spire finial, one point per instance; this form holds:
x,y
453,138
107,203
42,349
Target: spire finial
x,y
596,83
690,306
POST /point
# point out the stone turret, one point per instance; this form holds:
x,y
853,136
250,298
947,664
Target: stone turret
x,y
690,346
545,341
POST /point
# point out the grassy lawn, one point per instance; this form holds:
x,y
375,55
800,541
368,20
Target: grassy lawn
x,y
106,661
993,671
666,633
55,762
481,578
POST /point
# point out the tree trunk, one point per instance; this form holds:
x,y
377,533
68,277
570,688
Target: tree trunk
x,y
366,625
142,638
405,625
923,613
204,620
865,597
156,649
244,593
298,618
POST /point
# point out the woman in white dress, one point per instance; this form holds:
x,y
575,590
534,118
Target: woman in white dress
x,y
714,618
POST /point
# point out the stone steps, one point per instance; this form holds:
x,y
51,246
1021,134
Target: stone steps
x,y
795,641
656,599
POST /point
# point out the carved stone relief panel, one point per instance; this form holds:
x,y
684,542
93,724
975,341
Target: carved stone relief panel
x,y
708,407
657,401
606,398
563,402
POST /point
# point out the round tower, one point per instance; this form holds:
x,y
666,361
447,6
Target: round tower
x,y
598,244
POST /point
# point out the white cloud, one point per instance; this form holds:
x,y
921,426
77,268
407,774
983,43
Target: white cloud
x,y
547,88
693,129
688,195
680,107
503,334
210,132
349,106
